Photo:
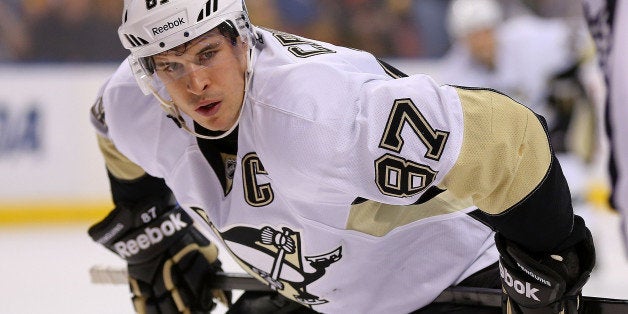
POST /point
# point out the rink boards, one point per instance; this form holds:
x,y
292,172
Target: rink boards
x,y
50,167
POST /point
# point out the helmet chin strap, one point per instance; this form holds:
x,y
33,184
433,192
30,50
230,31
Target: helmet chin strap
x,y
173,111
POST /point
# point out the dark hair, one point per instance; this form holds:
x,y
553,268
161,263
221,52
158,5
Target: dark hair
x,y
228,30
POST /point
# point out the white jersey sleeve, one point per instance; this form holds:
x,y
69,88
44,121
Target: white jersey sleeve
x,y
375,137
389,140
347,129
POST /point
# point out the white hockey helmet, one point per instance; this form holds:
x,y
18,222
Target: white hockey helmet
x,y
150,27
466,16
153,26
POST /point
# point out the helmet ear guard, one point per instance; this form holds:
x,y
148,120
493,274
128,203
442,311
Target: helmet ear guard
x,y
143,76
149,64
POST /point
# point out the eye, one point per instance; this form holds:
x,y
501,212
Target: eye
x,y
206,56
168,67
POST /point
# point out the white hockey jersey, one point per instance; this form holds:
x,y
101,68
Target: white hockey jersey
x,y
351,189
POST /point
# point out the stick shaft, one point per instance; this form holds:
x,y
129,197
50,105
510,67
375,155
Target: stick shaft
x,y
485,297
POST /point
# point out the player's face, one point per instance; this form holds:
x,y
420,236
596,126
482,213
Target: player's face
x,y
482,46
205,79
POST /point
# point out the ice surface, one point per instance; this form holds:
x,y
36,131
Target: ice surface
x,y
45,269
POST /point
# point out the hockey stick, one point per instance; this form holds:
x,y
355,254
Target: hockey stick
x,y
221,280
485,297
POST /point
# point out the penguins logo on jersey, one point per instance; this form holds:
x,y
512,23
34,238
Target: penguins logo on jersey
x,y
98,115
275,257
230,166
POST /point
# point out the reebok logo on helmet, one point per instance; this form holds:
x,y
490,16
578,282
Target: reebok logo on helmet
x,y
168,26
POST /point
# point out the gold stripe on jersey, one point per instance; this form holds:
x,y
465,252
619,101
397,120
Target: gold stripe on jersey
x,y
119,166
504,155
377,219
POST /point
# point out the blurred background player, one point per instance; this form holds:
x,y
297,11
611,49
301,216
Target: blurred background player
x,y
536,60
608,24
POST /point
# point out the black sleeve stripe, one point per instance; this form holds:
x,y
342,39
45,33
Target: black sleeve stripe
x,y
391,70
543,221
146,187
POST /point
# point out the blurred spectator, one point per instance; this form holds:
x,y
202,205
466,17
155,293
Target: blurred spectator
x,y
298,15
74,31
14,40
406,40
430,23
86,30
380,27
553,8
316,19
264,13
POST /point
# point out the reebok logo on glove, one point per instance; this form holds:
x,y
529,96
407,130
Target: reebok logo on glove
x,y
150,236
523,288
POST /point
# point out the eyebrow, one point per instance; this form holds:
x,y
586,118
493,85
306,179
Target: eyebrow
x,y
209,46
159,64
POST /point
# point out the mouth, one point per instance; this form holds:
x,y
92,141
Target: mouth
x,y
208,108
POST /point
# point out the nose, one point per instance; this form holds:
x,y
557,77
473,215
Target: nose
x,y
198,80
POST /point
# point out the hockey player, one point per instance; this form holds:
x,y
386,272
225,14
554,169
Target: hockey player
x,y
344,185
608,24
533,59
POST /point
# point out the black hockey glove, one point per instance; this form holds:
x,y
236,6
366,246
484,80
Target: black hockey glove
x,y
169,261
548,283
